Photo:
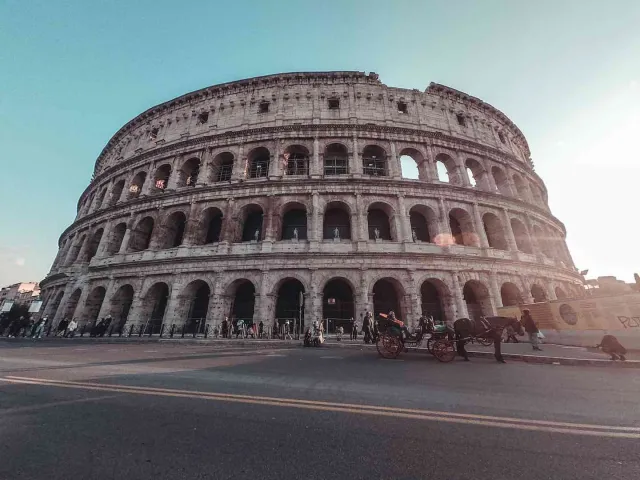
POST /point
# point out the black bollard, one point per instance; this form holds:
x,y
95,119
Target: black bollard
x,y
140,331
130,330
206,331
183,329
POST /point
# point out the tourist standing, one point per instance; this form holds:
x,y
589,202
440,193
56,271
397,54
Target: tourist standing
x,y
71,329
367,327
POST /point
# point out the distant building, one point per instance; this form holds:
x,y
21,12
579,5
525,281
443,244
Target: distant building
x,y
22,293
609,285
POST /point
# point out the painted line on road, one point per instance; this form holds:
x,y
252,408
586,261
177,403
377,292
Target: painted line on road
x,y
31,408
425,415
332,357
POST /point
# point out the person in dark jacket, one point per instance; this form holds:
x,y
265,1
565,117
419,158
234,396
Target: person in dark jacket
x,y
531,328
613,347
367,327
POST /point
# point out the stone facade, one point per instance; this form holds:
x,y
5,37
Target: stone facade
x,y
233,199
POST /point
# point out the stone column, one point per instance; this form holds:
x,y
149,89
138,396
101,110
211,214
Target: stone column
x,y
239,165
431,169
461,170
105,308
172,184
193,226
84,247
275,165
446,238
459,303
526,291
363,301
173,304
314,233
359,225
104,241
131,224
511,238
355,165
262,305
135,312
149,182
494,290
405,234
535,247
482,235
315,170
395,170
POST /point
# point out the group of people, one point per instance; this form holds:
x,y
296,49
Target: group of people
x,y
27,327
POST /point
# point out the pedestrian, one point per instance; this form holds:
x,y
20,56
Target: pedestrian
x,y
511,335
71,329
531,328
613,347
225,327
367,327
274,330
40,327
354,329
62,327
260,329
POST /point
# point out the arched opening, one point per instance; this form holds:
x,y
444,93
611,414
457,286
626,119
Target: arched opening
x,y
462,229
560,294
161,179
494,231
431,302
541,240
374,161
290,303
535,195
136,185
154,306
55,305
521,187
223,167
477,174
501,180
294,222
116,192
446,169
410,162
258,165
337,222
121,305
510,295
93,305
72,304
141,235
252,225
336,160
75,250
212,226
244,296
173,231
476,296
538,294
296,158
338,305
94,243
523,242
423,221
386,297
188,175
378,222
116,238
195,298
100,199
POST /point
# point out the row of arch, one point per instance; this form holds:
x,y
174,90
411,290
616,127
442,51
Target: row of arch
x,y
196,301
293,222
336,159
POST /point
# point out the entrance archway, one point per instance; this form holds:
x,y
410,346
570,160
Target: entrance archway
x,y
121,305
93,304
538,293
338,304
510,295
196,298
72,304
386,297
244,298
431,302
290,303
155,305
476,296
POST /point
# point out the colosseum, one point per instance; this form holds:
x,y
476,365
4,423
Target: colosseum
x,y
310,196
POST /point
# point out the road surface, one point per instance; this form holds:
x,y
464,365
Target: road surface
x,y
173,411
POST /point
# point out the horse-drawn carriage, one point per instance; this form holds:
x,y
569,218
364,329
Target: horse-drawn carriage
x,y
443,342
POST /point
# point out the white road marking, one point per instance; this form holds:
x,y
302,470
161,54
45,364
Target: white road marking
x,y
332,357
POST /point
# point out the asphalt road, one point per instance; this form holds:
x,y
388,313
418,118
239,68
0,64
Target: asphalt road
x,y
114,411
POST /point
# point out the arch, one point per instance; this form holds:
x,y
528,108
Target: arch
x,y
258,163
476,296
154,306
136,185
120,305
55,305
431,301
242,292
560,293
494,231
510,295
93,304
75,250
521,188
116,237
523,242
338,301
294,222
188,174
336,159
296,159
447,169
72,304
94,243
378,222
387,296
100,199
193,305
462,229
252,225
173,230
337,218
535,194
501,180
423,221
410,164
541,240
211,226
476,173
141,235
161,179
538,293
116,192
222,167
374,161
288,301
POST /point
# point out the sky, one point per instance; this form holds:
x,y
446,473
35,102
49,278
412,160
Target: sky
x,y
566,72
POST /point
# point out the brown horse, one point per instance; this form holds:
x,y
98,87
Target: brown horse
x,y
489,327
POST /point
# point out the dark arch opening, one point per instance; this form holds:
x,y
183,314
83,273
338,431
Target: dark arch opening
x,y
386,298
494,231
189,173
116,192
431,302
162,177
94,243
476,296
336,160
243,304
338,305
336,219
136,185
290,303
259,160
538,294
420,225
252,228
378,223
296,160
174,229
212,224
523,243
294,221
141,235
116,238
223,167
560,294
374,161
93,305
155,306
72,304
510,295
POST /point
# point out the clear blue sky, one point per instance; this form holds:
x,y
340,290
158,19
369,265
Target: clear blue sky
x,y
566,72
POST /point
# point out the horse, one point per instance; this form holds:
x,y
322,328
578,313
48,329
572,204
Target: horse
x,y
488,327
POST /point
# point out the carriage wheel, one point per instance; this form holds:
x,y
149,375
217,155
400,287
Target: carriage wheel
x,y
430,342
389,346
486,341
444,350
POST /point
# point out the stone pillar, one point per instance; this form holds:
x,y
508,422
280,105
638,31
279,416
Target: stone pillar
x,y
395,170
84,247
149,182
459,303
174,304
315,300
461,170
104,241
314,233
355,165
482,235
193,226
227,231
135,312
359,227
494,290
315,170
511,238
240,165
431,169
363,301
526,291
535,247
172,184
275,165
446,238
405,223
261,308
105,308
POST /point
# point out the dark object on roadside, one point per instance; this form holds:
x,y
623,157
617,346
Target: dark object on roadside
x,y
488,328
613,347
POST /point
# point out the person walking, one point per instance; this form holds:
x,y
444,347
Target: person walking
x,y
260,329
40,326
367,327
71,329
354,329
531,328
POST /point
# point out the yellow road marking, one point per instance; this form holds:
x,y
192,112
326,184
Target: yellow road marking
x,y
426,415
